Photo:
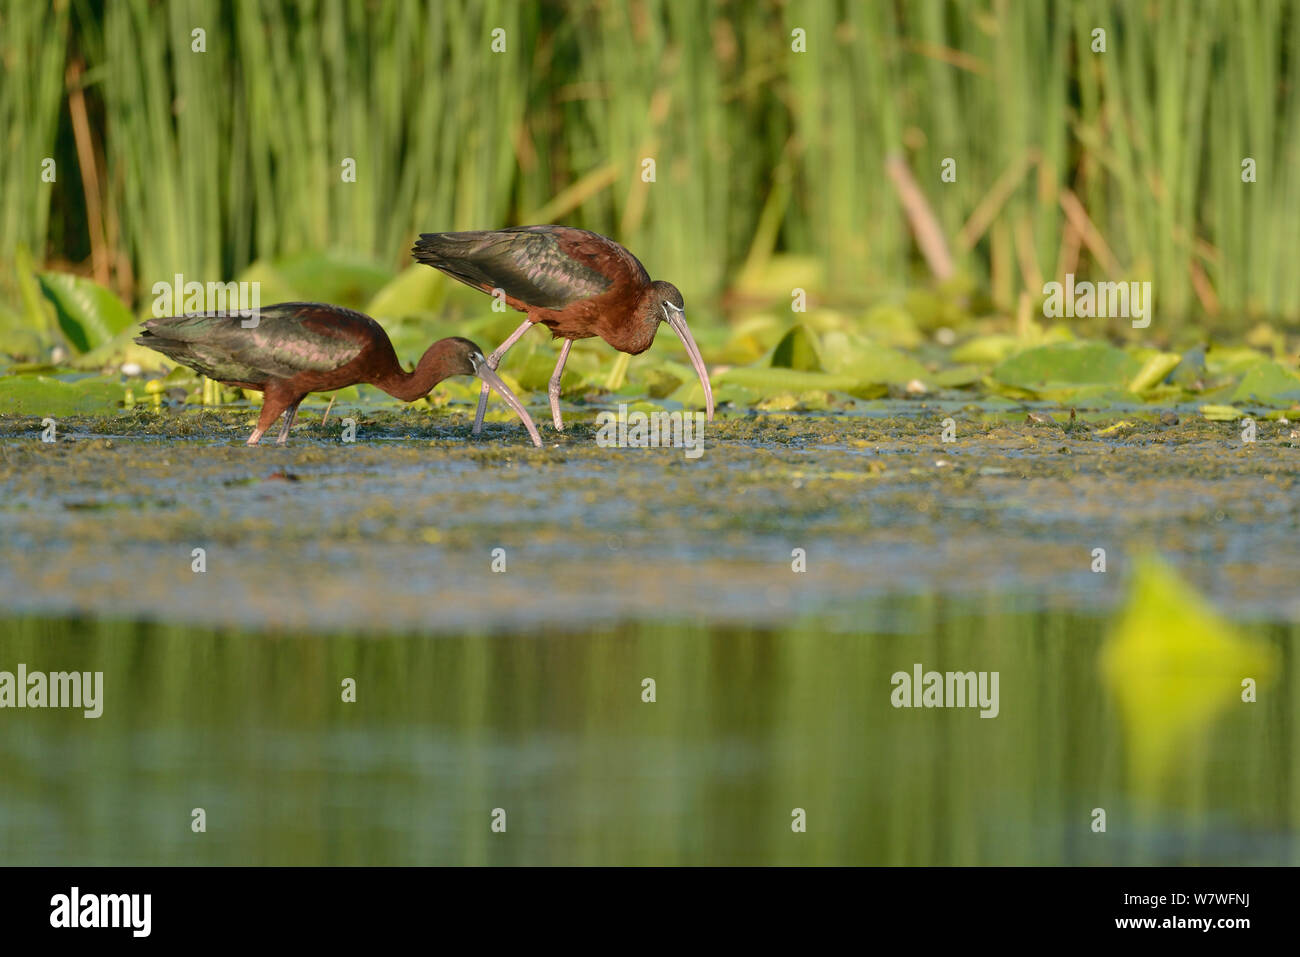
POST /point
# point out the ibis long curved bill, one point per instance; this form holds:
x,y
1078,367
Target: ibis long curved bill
x,y
492,379
677,320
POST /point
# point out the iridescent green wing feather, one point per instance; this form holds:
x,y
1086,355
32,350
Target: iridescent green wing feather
x,y
280,341
529,263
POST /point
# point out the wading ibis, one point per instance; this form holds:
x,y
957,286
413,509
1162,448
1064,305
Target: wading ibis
x,y
576,283
291,349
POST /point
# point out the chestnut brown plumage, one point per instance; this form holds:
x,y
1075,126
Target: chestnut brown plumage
x,y
576,283
291,349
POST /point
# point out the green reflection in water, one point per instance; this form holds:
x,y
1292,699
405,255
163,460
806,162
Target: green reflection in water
x,y
747,726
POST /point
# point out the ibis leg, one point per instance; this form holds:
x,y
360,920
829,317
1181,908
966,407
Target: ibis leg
x,y
273,404
553,390
492,361
290,414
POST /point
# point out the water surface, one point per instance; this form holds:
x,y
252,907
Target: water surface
x,y
748,724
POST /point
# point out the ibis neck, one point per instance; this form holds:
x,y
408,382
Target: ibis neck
x,y
637,336
409,386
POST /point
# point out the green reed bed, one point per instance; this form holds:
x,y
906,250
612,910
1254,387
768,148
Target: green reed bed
x,y
1117,164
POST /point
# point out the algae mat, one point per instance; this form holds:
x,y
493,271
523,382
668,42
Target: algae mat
x,y
418,526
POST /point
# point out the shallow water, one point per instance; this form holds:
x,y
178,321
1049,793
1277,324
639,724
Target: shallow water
x,y
747,725
521,688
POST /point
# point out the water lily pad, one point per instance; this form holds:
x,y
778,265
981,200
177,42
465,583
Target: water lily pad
x,y
770,381
750,336
955,378
1268,382
535,370
44,396
819,401
870,362
1165,394
987,350
797,350
932,309
893,325
18,341
779,402
728,393
1060,365
1231,360
88,313
658,383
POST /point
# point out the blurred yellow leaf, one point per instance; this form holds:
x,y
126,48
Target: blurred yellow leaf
x,y
1174,665
1153,371
1221,413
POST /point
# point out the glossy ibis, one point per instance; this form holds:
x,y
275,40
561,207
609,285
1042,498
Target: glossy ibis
x,y
576,283
300,347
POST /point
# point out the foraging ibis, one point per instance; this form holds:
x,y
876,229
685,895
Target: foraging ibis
x,y
288,350
577,283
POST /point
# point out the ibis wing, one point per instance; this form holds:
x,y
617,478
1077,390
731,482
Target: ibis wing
x,y
538,266
277,342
